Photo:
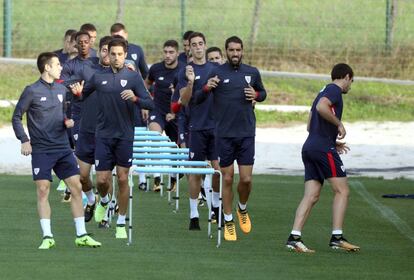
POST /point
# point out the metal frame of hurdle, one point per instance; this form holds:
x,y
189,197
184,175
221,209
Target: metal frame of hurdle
x,y
154,153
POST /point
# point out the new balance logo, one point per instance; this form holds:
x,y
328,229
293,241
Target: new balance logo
x,y
161,78
226,81
104,82
197,78
43,99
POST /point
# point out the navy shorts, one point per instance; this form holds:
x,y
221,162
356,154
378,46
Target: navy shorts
x,y
170,127
64,165
111,152
203,145
85,147
322,165
236,148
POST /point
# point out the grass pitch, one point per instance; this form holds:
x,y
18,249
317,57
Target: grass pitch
x,y
163,247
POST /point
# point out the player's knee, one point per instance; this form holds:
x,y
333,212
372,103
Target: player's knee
x,y
122,179
84,180
228,179
246,180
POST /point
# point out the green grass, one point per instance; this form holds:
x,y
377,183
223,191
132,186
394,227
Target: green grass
x,y
296,35
163,247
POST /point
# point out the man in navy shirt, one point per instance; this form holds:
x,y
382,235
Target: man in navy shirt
x,y
201,122
214,54
49,146
235,86
91,29
117,90
320,155
185,56
69,50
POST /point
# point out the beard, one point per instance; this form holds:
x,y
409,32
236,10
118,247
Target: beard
x,y
235,61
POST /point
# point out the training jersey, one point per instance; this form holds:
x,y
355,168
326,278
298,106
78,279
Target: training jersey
x,y
163,82
200,112
233,114
322,134
115,116
182,57
63,57
44,104
135,54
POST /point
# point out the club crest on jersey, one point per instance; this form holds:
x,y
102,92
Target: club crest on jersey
x,y
152,118
191,155
124,83
248,79
60,97
134,56
75,136
96,162
36,170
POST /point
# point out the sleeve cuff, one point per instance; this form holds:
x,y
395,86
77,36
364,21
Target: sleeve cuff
x,y
206,89
257,95
175,107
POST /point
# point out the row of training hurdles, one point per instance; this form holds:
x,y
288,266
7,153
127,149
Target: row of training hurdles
x,y
155,153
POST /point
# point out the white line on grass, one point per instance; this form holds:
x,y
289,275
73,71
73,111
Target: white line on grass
x,y
385,211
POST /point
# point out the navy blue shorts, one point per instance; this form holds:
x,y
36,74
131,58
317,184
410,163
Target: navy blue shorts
x,y
110,152
85,147
236,148
322,165
203,145
64,165
170,127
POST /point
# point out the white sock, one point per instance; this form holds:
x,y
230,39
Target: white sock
x,y
121,220
242,206
46,229
228,217
80,226
207,182
337,232
296,232
216,199
142,178
193,208
105,199
91,197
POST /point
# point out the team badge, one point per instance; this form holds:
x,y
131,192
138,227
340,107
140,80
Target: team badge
x,y
182,136
152,118
134,56
191,155
60,97
248,79
36,170
96,162
75,136
130,160
343,168
124,83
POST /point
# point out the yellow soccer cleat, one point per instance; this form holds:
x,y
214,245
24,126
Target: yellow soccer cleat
x,y
121,232
244,221
295,243
87,241
100,212
230,231
47,243
342,244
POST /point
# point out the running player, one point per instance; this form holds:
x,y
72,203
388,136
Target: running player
x,y
185,56
91,29
214,54
69,50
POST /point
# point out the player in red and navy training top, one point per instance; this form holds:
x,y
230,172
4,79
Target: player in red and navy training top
x,y
235,86
44,103
117,89
320,156
201,122
185,56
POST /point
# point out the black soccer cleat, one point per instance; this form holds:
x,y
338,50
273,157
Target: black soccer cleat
x,y
194,224
89,210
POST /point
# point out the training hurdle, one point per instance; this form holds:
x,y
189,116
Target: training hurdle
x,y
153,153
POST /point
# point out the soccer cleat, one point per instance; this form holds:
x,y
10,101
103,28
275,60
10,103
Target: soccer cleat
x,y
142,186
339,242
62,186
295,243
103,224
87,241
66,197
121,232
157,184
215,215
173,185
201,198
100,212
47,243
194,224
89,210
244,221
230,231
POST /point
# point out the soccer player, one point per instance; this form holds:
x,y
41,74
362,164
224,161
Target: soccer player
x,y
135,54
69,50
161,76
234,86
43,101
214,54
201,121
185,56
320,156
117,90
91,29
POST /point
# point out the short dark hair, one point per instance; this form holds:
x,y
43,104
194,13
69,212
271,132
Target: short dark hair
x,y
69,32
214,49
340,70
104,41
118,42
87,27
187,34
233,39
116,27
43,59
171,43
80,33
197,34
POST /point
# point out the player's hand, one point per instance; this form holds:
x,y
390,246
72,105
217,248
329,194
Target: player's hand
x,y
213,82
130,66
342,148
26,148
77,88
128,95
169,117
69,123
341,131
249,93
144,114
189,73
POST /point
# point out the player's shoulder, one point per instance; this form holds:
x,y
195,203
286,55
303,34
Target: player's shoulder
x,y
250,68
157,66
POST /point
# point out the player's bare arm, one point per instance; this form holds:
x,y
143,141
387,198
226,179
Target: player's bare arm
x,y
324,109
187,92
